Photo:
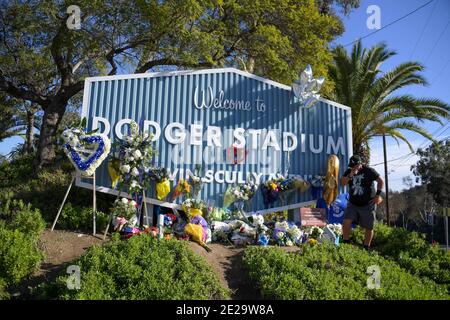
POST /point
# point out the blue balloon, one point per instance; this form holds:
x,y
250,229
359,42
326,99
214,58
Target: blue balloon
x,y
337,209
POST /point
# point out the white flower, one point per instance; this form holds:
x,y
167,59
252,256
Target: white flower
x,y
124,200
282,225
133,203
137,154
125,168
135,172
289,243
131,159
134,184
196,179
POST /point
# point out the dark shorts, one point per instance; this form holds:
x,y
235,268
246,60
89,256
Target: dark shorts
x,y
364,216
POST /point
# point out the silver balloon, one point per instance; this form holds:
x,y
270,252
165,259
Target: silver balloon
x,y
306,89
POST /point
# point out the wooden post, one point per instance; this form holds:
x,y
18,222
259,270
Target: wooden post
x,y
64,201
144,205
94,206
386,177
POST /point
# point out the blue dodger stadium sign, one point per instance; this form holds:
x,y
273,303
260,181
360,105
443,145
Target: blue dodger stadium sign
x,y
234,124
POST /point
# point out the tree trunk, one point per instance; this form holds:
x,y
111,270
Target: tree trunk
x,y
29,132
47,139
251,64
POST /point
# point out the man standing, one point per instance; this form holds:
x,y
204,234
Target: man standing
x,y
363,200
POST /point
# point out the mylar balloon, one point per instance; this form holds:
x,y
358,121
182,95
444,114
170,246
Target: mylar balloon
x,y
306,89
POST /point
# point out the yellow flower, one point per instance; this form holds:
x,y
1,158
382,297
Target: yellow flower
x,y
312,242
273,186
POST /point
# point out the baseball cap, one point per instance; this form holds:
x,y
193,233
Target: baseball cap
x,y
354,160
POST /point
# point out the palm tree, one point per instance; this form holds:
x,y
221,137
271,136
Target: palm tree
x,y
370,93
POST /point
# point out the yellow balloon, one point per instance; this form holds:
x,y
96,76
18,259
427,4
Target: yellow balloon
x,y
330,191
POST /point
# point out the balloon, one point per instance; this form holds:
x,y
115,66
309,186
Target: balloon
x,y
331,180
306,89
337,209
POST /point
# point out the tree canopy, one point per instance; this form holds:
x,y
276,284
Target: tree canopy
x,y
45,62
433,170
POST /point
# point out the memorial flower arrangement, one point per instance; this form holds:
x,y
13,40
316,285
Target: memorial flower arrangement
x,y
124,211
135,157
271,191
161,177
315,233
193,207
336,228
182,188
196,182
273,188
85,150
242,192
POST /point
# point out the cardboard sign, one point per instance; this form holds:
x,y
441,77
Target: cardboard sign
x,y
312,217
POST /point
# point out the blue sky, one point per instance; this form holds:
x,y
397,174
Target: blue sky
x,y
424,37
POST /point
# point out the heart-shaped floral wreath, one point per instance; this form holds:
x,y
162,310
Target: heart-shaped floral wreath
x,y
86,151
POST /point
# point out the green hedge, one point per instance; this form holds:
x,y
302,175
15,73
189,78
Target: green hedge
x,y
20,228
141,268
411,251
80,218
327,272
45,190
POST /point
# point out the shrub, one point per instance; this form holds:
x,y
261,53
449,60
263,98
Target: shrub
x,y
80,218
20,228
141,268
27,220
19,256
46,189
412,252
330,272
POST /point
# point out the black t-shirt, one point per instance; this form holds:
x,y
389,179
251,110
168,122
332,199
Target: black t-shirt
x,y
362,189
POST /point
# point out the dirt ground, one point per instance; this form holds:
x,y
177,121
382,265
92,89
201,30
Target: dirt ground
x,y
226,261
60,248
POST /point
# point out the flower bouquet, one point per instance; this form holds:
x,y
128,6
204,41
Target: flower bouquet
x,y
124,211
193,207
161,177
270,191
135,155
336,228
182,187
315,233
242,192
295,234
196,182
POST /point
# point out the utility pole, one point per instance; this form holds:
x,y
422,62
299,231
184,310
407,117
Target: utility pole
x,y
386,179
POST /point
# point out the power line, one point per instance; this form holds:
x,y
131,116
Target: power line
x,y
423,143
437,42
389,24
440,72
423,30
402,157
